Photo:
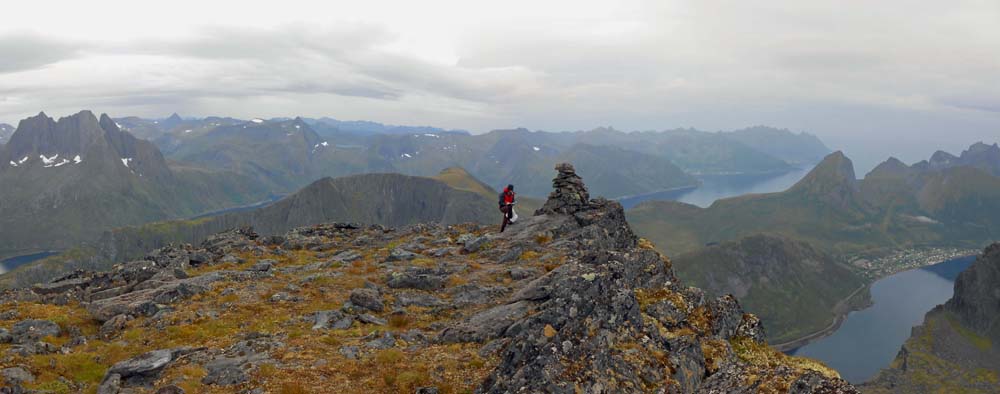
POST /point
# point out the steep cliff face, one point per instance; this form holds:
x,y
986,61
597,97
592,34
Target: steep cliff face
x,y
977,294
955,349
567,301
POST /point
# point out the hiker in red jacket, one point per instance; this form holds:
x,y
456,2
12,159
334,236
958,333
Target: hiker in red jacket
x,y
507,201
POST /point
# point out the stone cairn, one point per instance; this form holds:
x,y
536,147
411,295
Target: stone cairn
x,y
569,195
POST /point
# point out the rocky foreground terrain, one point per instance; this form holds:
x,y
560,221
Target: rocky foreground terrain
x,y
567,301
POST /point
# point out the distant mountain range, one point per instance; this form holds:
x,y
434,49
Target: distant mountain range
x,y
796,149
66,181
982,156
956,348
657,161
363,127
894,207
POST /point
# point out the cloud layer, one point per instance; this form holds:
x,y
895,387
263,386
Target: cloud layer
x,y
849,71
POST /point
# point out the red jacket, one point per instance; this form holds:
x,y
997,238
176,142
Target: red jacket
x,y
507,197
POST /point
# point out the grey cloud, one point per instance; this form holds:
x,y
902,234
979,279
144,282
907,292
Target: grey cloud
x,y
987,104
21,51
355,90
344,61
270,44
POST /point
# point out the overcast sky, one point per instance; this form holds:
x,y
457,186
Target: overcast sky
x,y
871,77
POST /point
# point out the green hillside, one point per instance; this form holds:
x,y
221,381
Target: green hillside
x,y
795,289
386,199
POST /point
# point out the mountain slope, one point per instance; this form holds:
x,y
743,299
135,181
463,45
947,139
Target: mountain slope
x,y
794,289
67,180
956,348
386,199
460,179
383,199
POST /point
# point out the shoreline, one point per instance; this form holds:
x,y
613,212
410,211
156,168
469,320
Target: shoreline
x,y
674,189
28,252
255,205
843,307
841,311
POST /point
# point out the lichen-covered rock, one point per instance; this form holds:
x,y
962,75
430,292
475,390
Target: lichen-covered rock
x,y
368,299
33,330
417,278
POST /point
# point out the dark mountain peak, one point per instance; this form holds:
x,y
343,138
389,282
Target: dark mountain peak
x,y
41,136
832,180
40,121
108,124
835,168
606,129
981,147
942,159
171,121
891,168
82,138
976,300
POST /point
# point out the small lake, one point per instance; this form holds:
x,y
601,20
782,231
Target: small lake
x,y
714,187
870,339
10,263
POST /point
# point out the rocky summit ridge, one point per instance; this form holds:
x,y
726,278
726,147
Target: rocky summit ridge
x,y
569,300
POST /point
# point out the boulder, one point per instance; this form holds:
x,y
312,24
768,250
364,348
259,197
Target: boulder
x,y
144,368
17,376
474,245
368,299
33,330
381,342
336,320
417,278
414,298
225,371
61,286
400,254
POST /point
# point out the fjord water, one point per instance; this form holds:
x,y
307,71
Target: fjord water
x,y
870,339
8,264
715,187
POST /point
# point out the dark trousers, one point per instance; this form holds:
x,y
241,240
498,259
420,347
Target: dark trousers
x,y
507,214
